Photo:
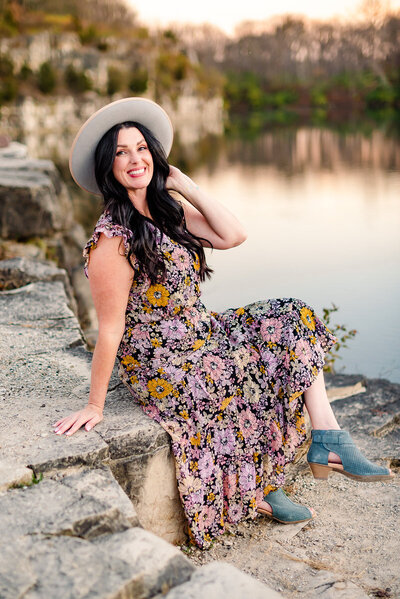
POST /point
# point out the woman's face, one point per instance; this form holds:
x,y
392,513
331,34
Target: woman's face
x,y
133,162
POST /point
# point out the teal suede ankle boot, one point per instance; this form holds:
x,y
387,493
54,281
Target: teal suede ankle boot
x,y
354,464
284,510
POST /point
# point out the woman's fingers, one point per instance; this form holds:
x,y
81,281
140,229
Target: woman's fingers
x,y
70,424
93,421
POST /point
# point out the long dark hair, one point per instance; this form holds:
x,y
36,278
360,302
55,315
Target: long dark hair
x,y
166,212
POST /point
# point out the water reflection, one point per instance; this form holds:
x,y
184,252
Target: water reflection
x,y
297,150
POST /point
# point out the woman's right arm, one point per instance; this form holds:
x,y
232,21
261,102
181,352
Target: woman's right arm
x,y
110,278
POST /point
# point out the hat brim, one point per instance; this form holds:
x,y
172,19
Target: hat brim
x,y
141,110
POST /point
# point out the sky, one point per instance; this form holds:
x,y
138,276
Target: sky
x,y
226,14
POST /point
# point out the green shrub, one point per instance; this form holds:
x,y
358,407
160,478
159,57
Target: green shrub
x,y
340,331
115,80
139,81
47,78
25,72
77,81
89,35
8,90
6,66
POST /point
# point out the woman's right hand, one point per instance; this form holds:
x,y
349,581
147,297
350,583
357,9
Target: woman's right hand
x,y
90,416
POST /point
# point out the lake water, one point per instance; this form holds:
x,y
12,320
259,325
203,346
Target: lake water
x,y
322,211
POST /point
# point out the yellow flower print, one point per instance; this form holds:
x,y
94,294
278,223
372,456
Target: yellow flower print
x,y
308,318
239,311
184,414
196,439
156,342
198,343
159,388
293,355
226,402
194,465
295,396
300,424
258,479
240,435
130,362
253,503
133,380
314,370
209,438
196,263
157,295
211,496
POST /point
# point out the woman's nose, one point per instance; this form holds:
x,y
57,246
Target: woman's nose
x,y
134,157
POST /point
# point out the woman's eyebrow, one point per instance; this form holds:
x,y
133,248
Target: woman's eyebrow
x,y
125,146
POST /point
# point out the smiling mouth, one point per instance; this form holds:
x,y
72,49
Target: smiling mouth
x,y
136,172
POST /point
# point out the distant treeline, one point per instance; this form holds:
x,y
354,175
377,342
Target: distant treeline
x,y
299,69
288,70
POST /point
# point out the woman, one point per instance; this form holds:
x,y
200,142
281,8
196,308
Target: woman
x,y
229,388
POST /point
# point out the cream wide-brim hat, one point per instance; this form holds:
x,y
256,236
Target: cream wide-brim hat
x,y
143,111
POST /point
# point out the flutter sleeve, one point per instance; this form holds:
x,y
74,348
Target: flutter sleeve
x,y
110,229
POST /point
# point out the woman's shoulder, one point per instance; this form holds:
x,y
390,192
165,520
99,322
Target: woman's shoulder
x,y
106,225
110,229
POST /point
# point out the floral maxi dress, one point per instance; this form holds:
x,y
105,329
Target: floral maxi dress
x,y
226,386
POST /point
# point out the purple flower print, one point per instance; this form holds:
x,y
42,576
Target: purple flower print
x,y
247,477
206,465
224,441
173,329
271,330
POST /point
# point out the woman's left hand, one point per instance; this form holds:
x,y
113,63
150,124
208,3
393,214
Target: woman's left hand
x,y
205,217
178,181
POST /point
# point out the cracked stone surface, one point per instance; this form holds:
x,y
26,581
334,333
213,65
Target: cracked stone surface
x,y
218,580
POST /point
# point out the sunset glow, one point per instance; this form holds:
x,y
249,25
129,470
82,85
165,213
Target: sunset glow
x,y
226,15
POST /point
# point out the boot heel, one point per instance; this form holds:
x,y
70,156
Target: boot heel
x,y
320,471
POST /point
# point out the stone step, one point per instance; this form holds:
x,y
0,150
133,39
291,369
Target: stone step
x,y
46,376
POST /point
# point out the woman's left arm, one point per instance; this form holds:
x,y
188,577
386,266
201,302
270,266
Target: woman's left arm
x,y
205,217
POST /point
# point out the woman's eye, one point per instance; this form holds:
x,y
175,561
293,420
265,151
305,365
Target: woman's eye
x,y
143,148
120,152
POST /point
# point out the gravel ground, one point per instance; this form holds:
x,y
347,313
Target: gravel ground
x,y
350,550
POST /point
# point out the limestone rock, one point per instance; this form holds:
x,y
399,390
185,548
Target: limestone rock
x,y
218,580
71,507
17,272
12,473
33,199
155,565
